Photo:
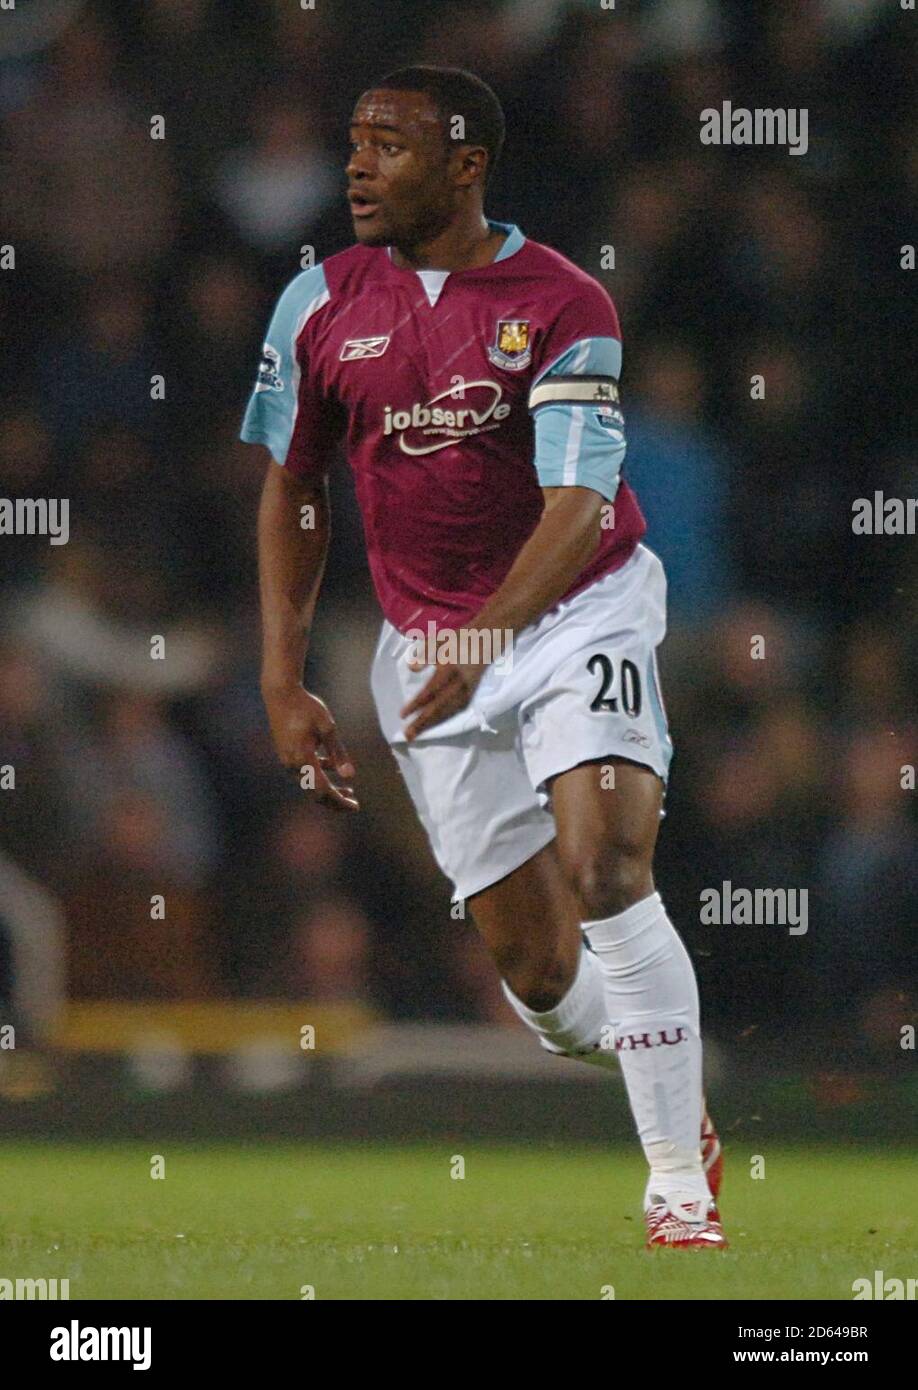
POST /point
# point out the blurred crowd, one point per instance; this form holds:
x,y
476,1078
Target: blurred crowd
x,y
139,258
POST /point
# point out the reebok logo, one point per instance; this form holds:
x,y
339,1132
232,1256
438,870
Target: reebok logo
x,y
357,348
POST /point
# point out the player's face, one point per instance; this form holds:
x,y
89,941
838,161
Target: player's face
x,y
399,172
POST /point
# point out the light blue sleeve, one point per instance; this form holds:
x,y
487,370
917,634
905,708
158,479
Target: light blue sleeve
x,y
579,427
272,408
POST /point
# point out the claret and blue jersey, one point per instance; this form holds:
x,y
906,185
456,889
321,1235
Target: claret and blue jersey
x,y
459,396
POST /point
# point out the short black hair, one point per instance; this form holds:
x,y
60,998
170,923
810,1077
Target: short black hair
x,y
455,92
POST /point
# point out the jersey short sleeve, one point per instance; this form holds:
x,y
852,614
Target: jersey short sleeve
x,y
288,412
574,397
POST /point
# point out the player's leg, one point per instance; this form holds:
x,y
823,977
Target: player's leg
x,y
596,743
606,839
530,923
607,831
493,839
492,836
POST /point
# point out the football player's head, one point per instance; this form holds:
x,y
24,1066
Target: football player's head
x,y
424,141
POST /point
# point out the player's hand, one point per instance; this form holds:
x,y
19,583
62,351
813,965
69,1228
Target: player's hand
x,y
307,742
449,690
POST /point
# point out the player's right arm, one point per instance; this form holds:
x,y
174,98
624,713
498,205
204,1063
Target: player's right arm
x,y
288,415
291,561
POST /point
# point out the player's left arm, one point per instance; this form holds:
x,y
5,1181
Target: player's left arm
x,y
579,450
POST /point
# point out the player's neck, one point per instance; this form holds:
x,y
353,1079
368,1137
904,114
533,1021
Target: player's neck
x,y
464,245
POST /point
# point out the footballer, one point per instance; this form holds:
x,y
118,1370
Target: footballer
x,y
473,376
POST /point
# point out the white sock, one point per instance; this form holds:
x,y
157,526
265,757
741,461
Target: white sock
x,y
651,999
574,1027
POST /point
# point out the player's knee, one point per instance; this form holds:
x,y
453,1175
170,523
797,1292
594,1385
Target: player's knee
x,y
538,977
609,881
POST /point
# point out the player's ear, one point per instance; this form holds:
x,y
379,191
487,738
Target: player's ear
x,y
473,164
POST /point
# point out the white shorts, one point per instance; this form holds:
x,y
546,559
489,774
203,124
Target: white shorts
x,y
583,685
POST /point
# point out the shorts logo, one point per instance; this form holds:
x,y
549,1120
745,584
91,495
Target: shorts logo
x,y
610,418
511,345
269,377
632,736
355,349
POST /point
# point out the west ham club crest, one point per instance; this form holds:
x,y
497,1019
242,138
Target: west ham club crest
x,y
511,345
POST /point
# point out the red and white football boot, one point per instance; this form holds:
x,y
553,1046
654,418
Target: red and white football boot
x,y
687,1225
693,1225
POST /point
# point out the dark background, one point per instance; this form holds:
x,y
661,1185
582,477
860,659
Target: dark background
x,y
137,257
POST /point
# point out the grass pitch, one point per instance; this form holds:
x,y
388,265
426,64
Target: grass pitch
x,y
389,1222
